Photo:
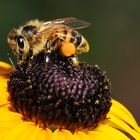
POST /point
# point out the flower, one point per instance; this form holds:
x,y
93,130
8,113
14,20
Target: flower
x,y
120,124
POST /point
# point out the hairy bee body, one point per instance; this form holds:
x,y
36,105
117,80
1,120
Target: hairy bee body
x,y
37,36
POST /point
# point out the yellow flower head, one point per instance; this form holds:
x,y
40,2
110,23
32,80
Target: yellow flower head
x,y
119,124
51,96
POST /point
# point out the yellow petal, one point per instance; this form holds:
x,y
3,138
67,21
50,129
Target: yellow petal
x,y
82,135
35,133
46,134
68,135
3,88
5,68
9,119
96,135
57,135
118,111
122,108
27,132
111,133
123,126
16,132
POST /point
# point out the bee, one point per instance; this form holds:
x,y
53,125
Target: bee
x,y
38,36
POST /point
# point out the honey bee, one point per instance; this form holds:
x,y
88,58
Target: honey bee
x,y
38,36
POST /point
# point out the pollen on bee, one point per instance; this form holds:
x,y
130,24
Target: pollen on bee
x,y
97,102
67,49
49,97
105,87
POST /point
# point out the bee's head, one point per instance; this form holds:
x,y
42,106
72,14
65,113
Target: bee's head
x,y
26,39
20,40
18,43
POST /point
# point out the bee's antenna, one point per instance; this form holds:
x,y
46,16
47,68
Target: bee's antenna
x,y
8,54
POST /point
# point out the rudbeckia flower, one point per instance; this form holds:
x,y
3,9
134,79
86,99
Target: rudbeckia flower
x,y
43,102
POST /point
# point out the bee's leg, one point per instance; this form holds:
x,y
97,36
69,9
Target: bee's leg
x,y
47,57
29,58
11,61
73,60
47,51
19,62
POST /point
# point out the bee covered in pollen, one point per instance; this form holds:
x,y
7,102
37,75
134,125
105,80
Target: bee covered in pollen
x,y
37,36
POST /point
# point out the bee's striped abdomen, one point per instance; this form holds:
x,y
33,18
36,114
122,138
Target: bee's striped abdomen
x,y
68,35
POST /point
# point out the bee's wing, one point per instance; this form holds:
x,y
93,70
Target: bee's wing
x,y
61,20
70,22
54,25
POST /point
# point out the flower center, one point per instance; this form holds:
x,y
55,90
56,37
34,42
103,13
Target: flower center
x,y
57,94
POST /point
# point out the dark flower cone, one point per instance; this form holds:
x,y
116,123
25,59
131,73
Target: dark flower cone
x,y
59,95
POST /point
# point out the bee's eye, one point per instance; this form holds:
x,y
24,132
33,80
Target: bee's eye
x,y
20,41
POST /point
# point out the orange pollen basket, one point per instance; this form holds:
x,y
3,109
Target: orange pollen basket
x,y
67,49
